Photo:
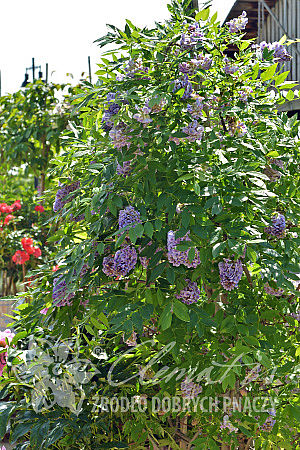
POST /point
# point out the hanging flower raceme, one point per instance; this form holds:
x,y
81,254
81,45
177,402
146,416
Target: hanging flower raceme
x,y
135,67
276,292
6,337
196,108
60,294
124,169
277,229
227,424
177,257
143,115
269,422
183,83
229,68
190,294
191,37
280,52
189,389
194,131
112,110
230,273
238,23
121,263
129,216
119,138
62,195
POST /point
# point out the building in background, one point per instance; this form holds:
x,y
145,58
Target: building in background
x,y
269,20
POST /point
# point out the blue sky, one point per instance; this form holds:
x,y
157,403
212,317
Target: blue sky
x,y
61,32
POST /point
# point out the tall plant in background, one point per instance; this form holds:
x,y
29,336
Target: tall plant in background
x,y
31,124
179,200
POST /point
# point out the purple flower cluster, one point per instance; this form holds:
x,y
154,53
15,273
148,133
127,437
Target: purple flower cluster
x,y
230,273
276,292
227,424
189,389
278,226
113,109
195,109
280,52
229,68
204,62
245,93
143,115
121,263
62,193
119,138
190,294
237,128
194,131
157,107
277,162
124,169
296,316
239,23
193,35
177,257
59,294
252,375
184,83
269,422
78,218
129,216
134,67
131,342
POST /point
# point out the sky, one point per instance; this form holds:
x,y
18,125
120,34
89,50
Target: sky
x,y
61,33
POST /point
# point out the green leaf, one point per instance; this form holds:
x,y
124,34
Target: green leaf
x,y
279,79
263,359
181,311
290,95
170,275
136,232
148,227
218,248
203,15
166,317
251,254
191,254
158,270
294,411
6,410
269,73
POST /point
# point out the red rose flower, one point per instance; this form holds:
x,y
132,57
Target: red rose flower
x,y
37,252
20,257
16,205
8,218
27,245
39,208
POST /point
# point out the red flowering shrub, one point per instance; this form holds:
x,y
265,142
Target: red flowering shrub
x,y
20,257
39,208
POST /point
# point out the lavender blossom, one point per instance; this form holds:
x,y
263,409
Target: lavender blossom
x,y
119,138
135,67
204,62
230,273
177,257
193,35
190,294
278,226
59,294
62,193
143,115
125,260
276,292
189,389
245,93
269,422
238,23
280,52
131,342
124,169
194,131
183,83
229,69
195,109
129,216
227,424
